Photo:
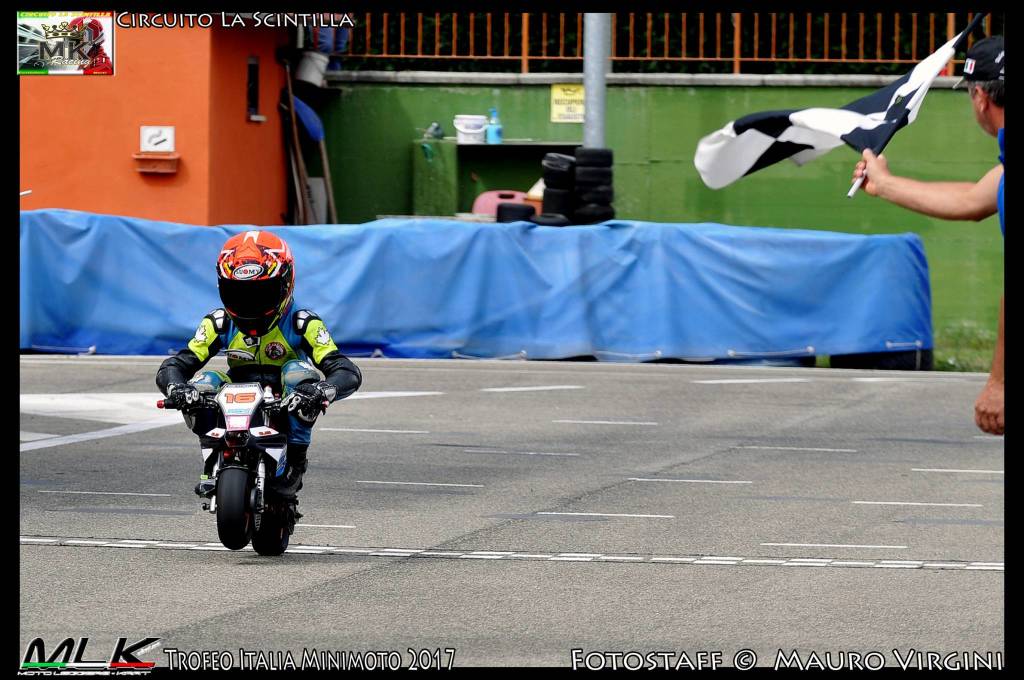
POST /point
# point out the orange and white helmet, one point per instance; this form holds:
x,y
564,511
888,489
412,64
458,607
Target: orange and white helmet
x,y
256,278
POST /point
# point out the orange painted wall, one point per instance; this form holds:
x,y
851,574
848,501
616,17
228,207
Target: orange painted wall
x,y
78,133
247,159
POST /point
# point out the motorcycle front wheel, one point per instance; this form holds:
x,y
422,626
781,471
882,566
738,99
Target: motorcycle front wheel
x,y
234,516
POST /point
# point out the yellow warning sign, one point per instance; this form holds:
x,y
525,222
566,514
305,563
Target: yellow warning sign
x,y
567,103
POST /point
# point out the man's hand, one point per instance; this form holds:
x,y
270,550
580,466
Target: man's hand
x,y
186,397
309,400
874,170
988,409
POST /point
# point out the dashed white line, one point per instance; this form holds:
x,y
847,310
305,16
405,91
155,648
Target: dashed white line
x,y
719,560
835,545
541,388
326,526
359,429
606,422
940,505
110,493
371,481
981,472
519,453
690,481
796,448
605,514
749,381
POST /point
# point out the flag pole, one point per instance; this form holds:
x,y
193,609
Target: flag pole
x,y
877,149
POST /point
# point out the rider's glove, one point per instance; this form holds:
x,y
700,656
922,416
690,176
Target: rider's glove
x,y
309,400
186,397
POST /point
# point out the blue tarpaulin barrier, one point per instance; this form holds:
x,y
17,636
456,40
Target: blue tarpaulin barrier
x,y
622,291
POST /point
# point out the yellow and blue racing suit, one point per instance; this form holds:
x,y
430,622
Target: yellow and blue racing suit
x,y
287,355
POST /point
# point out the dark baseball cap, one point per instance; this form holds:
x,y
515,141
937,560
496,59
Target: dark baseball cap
x,y
985,61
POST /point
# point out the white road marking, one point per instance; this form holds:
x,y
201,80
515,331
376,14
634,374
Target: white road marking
x,y
498,555
519,453
605,514
940,505
990,437
326,526
605,422
371,481
542,388
796,448
749,381
124,408
691,481
897,566
388,395
100,434
835,545
33,436
983,472
111,493
358,429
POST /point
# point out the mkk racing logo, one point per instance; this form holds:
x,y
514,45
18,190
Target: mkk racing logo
x,y
50,44
122,660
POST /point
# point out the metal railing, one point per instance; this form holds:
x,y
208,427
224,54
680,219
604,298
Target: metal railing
x,y
681,42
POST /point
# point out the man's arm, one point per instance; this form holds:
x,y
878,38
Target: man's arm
x,y
338,370
945,200
988,409
186,363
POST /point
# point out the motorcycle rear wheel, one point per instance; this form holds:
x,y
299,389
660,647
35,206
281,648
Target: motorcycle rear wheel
x,y
234,516
272,537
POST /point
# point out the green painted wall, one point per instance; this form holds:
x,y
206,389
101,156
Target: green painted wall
x,y
654,131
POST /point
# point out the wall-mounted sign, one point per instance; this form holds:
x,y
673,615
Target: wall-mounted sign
x,y
156,138
567,103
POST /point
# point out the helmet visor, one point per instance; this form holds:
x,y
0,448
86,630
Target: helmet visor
x,y
252,299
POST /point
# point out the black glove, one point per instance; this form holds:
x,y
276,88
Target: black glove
x,y
309,400
184,396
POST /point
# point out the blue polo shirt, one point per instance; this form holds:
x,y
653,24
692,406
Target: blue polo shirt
x,y
1002,226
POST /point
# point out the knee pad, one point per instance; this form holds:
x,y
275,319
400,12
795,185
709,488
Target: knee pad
x,y
295,372
209,381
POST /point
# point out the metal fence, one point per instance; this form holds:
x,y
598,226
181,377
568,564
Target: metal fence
x,y
657,41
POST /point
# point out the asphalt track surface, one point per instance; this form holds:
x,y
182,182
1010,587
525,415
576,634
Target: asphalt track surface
x,y
624,507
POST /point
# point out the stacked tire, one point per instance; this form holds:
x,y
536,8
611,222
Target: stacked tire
x,y
593,186
559,203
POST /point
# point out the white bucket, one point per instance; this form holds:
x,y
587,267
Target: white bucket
x,y
312,68
470,129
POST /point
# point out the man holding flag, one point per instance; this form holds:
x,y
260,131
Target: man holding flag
x,y
984,70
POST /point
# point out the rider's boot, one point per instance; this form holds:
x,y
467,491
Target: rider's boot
x,y
207,484
297,464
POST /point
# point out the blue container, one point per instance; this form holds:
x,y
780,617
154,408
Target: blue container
x,y
494,128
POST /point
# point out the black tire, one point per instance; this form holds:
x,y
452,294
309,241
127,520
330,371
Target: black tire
x,y
601,194
592,213
234,517
559,179
514,212
558,201
558,161
272,537
591,177
593,157
551,220
911,360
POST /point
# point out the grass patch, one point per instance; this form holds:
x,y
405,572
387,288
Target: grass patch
x,y
964,346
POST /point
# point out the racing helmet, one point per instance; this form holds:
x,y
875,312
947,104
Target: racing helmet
x,y
256,278
93,33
